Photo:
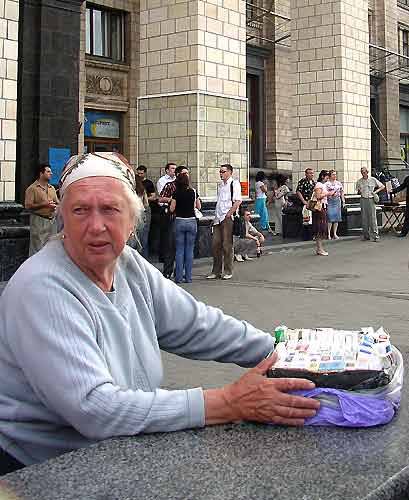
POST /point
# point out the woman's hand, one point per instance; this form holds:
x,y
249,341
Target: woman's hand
x,y
257,398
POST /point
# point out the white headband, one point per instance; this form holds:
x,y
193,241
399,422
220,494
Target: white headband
x,y
97,165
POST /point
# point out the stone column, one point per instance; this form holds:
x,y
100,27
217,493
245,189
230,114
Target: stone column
x,y
331,104
9,15
386,16
192,104
278,95
48,83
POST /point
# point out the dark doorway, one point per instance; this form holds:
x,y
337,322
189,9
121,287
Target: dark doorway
x,y
254,120
375,135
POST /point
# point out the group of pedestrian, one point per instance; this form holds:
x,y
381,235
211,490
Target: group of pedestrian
x,y
177,222
328,193
328,197
169,217
269,203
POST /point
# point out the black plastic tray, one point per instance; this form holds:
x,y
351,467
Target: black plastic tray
x,y
348,380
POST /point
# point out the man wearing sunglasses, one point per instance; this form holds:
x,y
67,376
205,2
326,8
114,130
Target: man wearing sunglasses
x,y
228,201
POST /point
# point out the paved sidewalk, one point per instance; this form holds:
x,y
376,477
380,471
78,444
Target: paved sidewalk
x,y
272,245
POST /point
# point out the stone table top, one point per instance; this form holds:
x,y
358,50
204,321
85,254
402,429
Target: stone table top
x,y
238,461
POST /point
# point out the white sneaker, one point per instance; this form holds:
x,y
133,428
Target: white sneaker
x,y
227,277
239,258
212,277
246,257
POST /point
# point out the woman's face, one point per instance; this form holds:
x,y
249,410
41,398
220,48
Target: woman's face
x,y
97,222
333,176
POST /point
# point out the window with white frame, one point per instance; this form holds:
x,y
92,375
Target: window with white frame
x,y
372,27
105,33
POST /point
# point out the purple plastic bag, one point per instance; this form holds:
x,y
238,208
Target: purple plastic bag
x,y
365,408
348,409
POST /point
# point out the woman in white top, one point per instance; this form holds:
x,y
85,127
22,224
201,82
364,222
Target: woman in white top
x,y
261,199
278,202
319,217
334,213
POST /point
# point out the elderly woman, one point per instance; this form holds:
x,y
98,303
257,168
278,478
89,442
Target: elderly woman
x,y
81,352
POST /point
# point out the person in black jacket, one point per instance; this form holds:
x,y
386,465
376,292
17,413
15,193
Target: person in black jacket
x,y
404,185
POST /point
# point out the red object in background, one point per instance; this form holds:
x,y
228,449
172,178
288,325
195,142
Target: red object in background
x,y
244,188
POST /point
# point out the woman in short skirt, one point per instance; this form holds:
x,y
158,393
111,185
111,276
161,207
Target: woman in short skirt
x,y
334,204
319,218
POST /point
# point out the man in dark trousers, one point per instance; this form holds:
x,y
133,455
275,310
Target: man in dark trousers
x,y
404,185
304,191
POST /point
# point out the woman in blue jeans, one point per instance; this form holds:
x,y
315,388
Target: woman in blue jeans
x,y
183,204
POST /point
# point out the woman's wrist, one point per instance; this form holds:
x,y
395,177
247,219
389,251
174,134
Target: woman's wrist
x,y
218,408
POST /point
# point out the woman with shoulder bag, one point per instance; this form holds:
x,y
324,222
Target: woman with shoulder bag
x,y
319,212
184,202
261,201
279,201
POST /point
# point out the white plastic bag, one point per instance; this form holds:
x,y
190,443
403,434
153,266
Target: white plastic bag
x,y
306,216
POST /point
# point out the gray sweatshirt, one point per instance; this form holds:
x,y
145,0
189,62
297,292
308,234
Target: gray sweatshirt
x,y
78,365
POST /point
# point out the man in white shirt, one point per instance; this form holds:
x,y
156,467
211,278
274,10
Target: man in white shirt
x,y
368,187
169,176
228,201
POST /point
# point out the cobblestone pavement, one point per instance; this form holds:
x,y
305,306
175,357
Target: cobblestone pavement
x,y
360,283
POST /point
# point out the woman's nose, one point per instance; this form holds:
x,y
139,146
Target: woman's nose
x,y
96,222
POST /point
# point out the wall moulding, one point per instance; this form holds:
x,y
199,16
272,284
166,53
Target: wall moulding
x,y
106,105
96,63
101,84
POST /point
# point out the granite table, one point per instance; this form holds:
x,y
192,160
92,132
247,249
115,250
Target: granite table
x,y
241,461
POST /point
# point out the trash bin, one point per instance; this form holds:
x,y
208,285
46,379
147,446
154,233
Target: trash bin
x,y
292,222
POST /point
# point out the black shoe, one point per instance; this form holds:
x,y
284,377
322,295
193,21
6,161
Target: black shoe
x,y
403,235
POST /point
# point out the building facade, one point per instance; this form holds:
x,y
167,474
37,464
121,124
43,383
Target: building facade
x,y
9,17
278,85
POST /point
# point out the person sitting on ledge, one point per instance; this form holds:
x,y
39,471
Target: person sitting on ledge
x,y
82,323
252,240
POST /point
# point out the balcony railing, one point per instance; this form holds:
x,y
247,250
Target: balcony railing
x,y
404,4
262,20
384,62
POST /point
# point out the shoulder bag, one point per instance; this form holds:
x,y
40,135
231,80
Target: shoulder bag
x,y
239,228
313,204
198,213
